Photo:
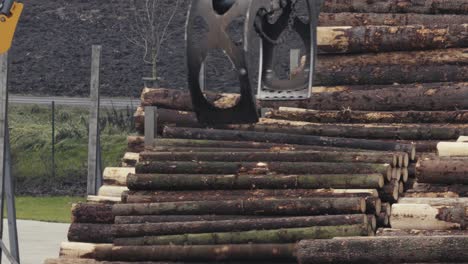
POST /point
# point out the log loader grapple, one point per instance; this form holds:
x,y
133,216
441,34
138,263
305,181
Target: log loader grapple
x,y
209,27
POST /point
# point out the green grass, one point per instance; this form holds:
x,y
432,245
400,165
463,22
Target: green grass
x,y
30,137
47,209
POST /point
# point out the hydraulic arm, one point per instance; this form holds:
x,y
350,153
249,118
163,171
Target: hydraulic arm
x,y
10,12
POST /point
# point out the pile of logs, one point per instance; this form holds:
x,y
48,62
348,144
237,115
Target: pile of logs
x,y
315,179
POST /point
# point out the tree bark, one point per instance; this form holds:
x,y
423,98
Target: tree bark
x,y
92,213
373,205
136,144
280,138
90,233
426,97
383,220
364,39
406,249
177,196
235,225
259,168
202,253
307,206
389,232
397,6
452,149
404,97
286,156
442,171
283,235
166,117
437,190
159,219
364,117
390,192
247,182
387,19
427,217
92,261
364,131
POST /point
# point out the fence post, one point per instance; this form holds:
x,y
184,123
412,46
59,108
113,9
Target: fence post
x,y
94,146
151,117
53,139
7,193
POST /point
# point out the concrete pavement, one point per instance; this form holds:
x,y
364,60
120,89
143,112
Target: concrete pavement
x,y
38,240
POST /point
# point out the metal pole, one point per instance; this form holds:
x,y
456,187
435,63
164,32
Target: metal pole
x,y
6,182
151,117
53,139
94,156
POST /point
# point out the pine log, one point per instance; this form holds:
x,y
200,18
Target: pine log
x,y
372,224
307,206
451,149
103,199
442,65
397,6
235,225
389,232
343,116
387,19
116,176
92,261
166,117
159,219
184,167
434,201
453,191
283,235
90,233
189,145
387,208
405,249
365,131
463,139
202,253
192,254
390,192
405,97
78,250
112,191
174,196
401,188
130,159
383,220
246,182
180,99
373,205
425,97
92,213
364,39
194,133
392,158
442,170
427,217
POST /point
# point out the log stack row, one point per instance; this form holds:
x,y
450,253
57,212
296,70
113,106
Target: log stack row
x,y
314,178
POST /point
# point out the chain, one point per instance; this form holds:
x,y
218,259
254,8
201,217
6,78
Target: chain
x,y
292,15
291,21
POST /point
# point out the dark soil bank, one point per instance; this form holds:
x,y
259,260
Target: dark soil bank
x,y
52,49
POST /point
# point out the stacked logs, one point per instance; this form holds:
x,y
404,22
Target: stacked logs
x,y
390,75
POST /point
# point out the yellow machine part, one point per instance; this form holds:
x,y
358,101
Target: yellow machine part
x,y
8,27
